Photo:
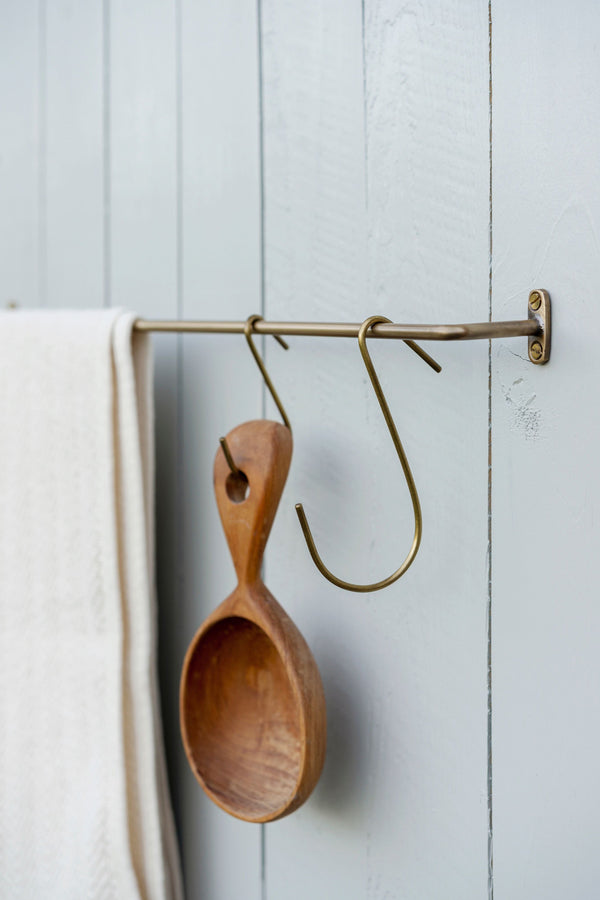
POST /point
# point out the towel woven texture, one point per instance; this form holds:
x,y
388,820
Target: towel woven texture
x,y
84,806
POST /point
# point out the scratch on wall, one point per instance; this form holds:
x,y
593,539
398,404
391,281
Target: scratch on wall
x,y
526,418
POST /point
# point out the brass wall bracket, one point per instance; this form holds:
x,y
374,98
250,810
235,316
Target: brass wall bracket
x,y
538,308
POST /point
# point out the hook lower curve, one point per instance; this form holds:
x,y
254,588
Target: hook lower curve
x,y
377,585
248,331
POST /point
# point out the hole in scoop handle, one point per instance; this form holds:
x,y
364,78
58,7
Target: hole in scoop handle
x,y
262,451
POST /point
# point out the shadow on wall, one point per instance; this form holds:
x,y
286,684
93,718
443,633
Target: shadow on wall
x,y
342,789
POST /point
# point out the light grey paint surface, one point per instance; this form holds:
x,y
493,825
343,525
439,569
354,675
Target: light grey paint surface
x,y
546,429
330,160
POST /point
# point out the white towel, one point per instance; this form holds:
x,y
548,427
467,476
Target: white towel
x,y
84,808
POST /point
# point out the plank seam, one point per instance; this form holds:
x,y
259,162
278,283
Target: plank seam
x,y
179,164
261,177
490,843
106,136
262,263
180,558
365,100
42,156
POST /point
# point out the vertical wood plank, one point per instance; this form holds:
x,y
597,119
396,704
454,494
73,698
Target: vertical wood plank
x,y
19,160
73,167
221,386
143,156
376,178
546,427
140,195
316,268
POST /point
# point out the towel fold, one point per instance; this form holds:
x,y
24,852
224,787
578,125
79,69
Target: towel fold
x,y
84,806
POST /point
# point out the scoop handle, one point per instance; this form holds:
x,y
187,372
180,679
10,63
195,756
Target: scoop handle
x,y
247,501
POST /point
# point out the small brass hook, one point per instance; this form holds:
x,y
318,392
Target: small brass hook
x,y
248,331
378,585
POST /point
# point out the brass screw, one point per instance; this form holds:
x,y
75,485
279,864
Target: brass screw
x,y
535,301
536,350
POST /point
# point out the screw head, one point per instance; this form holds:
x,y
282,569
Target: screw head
x,y
536,350
535,301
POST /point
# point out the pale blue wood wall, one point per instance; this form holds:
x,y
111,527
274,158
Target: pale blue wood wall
x,y
329,160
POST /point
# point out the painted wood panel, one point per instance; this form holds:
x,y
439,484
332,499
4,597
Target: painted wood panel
x,y
20,125
316,269
546,621
376,184
140,262
72,155
220,385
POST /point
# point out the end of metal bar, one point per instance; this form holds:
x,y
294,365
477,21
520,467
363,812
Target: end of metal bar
x,y
228,456
281,342
433,363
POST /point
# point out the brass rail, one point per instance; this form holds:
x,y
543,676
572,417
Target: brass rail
x,y
470,332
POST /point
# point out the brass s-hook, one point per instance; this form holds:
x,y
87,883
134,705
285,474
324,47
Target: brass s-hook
x,y
378,585
248,331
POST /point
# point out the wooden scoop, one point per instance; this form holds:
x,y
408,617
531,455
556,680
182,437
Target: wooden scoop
x,y
251,701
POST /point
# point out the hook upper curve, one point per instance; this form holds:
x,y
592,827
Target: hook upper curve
x,y
377,585
248,331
